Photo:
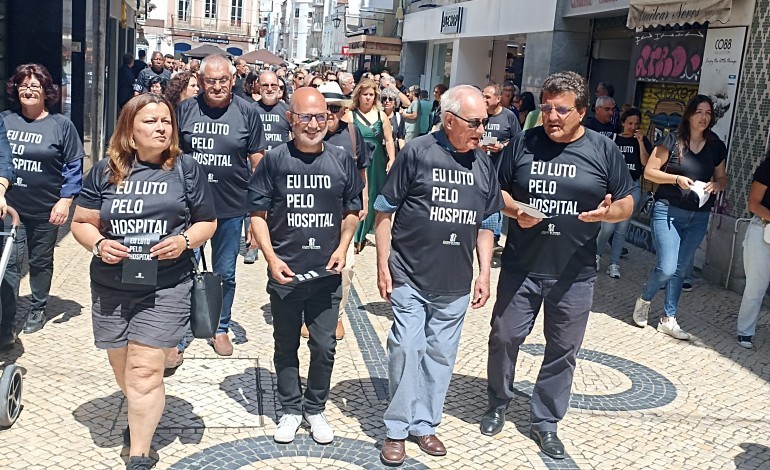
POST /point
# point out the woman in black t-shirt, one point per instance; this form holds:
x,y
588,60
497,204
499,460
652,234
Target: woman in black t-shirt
x,y
756,255
636,149
689,166
48,157
141,295
390,103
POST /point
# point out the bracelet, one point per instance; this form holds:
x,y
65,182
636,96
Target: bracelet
x,y
4,185
186,240
676,181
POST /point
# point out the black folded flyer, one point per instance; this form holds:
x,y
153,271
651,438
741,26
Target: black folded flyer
x,y
140,267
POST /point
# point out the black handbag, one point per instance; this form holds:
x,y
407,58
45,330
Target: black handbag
x,y
206,298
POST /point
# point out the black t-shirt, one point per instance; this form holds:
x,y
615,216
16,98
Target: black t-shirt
x,y
146,75
221,140
442,198
341,138
607,129
150,200
697,167
630,149
305,196
503,126
762,176
40,150
561,180
274,123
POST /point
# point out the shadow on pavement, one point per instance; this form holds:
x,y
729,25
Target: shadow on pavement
x,y
246,390
753,456
351,399
267,314
10,355
381,309
68,309
239,333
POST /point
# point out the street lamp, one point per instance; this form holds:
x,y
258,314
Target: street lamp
x,y
336,20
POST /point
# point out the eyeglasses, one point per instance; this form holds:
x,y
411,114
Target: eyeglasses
x,y
216,81
315,85
306,118
385,99
560,110
472,123
334,108
269,85
299,77
33,87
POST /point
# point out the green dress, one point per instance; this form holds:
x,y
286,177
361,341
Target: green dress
x,y
375,173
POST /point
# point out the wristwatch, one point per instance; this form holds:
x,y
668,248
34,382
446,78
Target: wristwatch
x,y
95,249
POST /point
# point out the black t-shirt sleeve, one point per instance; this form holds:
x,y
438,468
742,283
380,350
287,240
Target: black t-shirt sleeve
x,y
201,200
260,191
619,182
648,145
762,175
396,186
72,148
514,123
351,198
495,201
401,131
505,170
720,152
256,135
90,196
363,152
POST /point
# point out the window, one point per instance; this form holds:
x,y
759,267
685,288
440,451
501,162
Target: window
x,y
296,13
236,12
210,9
183,10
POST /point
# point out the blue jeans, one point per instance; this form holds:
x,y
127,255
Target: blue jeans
x,y
225,245
422,348
756,262
619,229
498,225
676,233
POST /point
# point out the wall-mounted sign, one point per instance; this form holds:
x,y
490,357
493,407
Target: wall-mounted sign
x,y
210,40
452,20
345,50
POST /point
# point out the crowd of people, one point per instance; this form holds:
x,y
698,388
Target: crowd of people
x,y
304,167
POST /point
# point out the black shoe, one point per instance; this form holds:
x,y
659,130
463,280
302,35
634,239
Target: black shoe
x,y
623,252
127,437
686,286
493,421
140,463
7,337
35,321
549,443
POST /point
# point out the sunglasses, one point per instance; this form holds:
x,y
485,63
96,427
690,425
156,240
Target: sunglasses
x,y
560,110
472,123
334,108
306,118
269,85
387,98
315,85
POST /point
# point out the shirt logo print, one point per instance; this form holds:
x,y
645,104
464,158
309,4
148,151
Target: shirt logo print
x,y
211,178
311,245
551,230
452,240
20,182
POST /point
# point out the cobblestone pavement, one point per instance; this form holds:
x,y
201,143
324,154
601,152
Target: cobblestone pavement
x,y
641,400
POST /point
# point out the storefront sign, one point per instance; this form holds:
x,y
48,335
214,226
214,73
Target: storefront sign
x,y
345,50
210,40
668,56
651,13
594,7
720,74
452,20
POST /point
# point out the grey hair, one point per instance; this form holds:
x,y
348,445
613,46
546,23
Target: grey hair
x,y
602,100
451,100
212,59
346,77
391,93
387,79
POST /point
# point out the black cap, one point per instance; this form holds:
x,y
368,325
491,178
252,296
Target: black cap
x,y
399,77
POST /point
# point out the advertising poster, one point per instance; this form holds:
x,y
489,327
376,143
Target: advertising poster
x,y
720,75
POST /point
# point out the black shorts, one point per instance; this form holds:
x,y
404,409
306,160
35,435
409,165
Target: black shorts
x,y
158,318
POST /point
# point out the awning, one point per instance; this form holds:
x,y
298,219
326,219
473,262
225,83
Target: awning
x,y
651,13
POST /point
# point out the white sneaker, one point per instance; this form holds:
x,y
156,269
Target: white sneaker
x,y
745,342
614,272
287,428
320,429
641,311
671,328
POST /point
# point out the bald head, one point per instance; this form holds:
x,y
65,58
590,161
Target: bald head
x,y
308,119
308,100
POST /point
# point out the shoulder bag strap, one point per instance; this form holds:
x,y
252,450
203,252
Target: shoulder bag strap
x,y
183,180
352,132
362,118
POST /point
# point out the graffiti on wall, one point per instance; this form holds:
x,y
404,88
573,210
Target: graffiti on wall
x,y
662,107
669,56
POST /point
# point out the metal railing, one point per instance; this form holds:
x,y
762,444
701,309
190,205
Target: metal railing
x,y
212,25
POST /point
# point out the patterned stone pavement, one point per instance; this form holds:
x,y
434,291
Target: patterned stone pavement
x,y
641,400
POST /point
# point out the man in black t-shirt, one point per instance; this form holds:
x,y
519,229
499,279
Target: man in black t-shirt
x,y
156,69
272,111
241,70
575,178
304,200
224,134
444,193
602,120
139,64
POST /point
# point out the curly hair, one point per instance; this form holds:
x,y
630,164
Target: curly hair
x,y
177,85
121,152
564,82
158,81
50,91
363,85
391,93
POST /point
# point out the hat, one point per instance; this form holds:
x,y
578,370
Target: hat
x,y
333,94
399,77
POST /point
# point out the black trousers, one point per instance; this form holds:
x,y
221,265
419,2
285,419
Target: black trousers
x,y
566,309
319,300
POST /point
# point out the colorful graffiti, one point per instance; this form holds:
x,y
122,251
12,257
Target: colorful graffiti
x,y
669,56
662,107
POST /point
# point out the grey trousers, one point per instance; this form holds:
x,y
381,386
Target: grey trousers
x,y
566,308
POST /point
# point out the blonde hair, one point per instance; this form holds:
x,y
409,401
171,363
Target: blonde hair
x,y
362,86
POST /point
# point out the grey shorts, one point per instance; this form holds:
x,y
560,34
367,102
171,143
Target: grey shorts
x,y
159,318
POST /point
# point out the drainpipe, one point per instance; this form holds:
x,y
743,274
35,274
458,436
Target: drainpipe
x,y
732,248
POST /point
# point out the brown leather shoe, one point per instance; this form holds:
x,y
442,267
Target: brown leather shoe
x,y
304,332
174,359
222,344
431,445
393,452
340,333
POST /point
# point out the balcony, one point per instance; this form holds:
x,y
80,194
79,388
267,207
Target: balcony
x,y
318,3
212,25
317,28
